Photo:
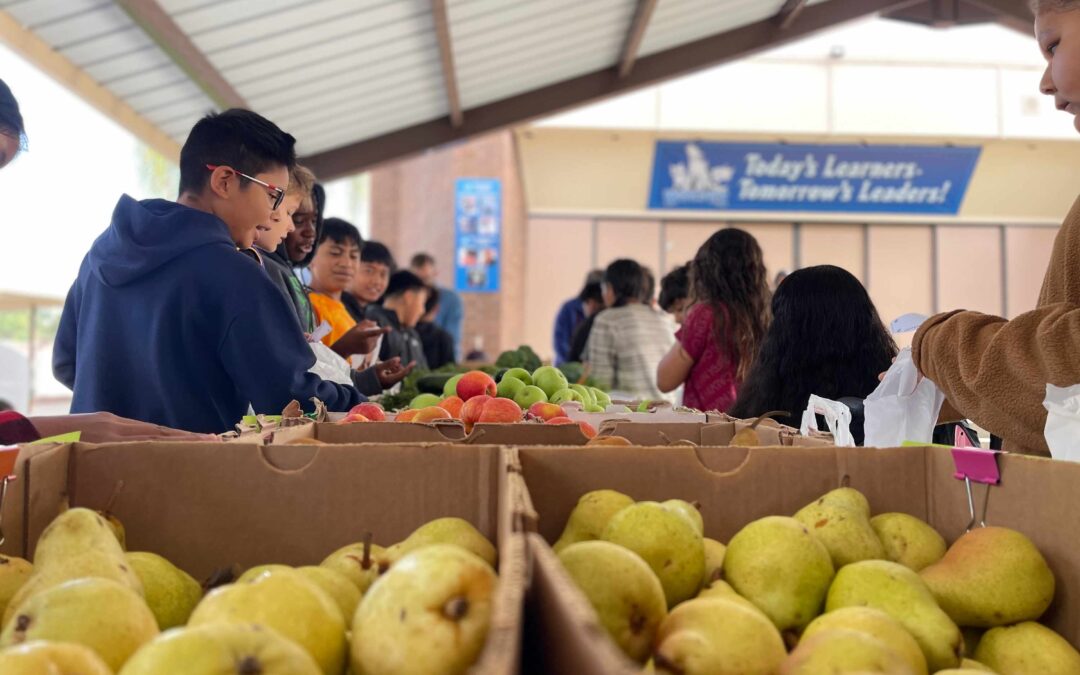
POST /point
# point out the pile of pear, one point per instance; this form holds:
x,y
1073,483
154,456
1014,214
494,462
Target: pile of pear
x,y
87,607
830,590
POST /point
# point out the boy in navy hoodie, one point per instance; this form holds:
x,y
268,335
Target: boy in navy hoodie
x,y
168,322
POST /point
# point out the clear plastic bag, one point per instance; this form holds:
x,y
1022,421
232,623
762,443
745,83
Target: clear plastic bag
x,y
329,366
904,407
837,417
1063,422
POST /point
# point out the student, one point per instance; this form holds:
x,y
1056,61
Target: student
x,y
404,301
451,314
167,322
648,287
629,338
438,343
299,246
270,243
675,292
722,331
370,283
573,313
333,268
992,370
12,128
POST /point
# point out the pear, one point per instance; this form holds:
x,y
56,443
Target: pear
x,y
171,593
839,650
991,558
971,638
361,563
900,593
222,649
716,636
14,572
336,585
875,623
714,560
117,528
840,522
51,658
624,591
1026,648
590,516
722,589
908,540
101,614
667,541
962,671
287,602
691,511
454,531
972,664
428,615
259,570
779,566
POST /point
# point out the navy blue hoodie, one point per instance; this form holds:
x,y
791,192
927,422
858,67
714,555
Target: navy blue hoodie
x,y
168,323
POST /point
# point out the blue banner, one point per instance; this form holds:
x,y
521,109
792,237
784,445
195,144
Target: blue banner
x,y
478,233
839,178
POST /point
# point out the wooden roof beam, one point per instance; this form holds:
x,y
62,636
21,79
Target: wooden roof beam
x,y
446,54
635,36
789,12
1011,13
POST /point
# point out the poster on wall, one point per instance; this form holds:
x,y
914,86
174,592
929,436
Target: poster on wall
x,y
702,175
478,232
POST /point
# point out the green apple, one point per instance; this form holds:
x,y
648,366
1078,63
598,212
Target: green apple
x,y
586,396
564,396
590,408
424,401
550,379
450,388
601,397
530,395
519,373
644,406
510,387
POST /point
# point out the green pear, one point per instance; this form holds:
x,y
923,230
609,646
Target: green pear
x,y
586,394
222,649
602,398
258,570
962,671
14,573
336,585
453,531
839,650
877,624
287,602
779,566
908,540
509,387
972,664
171,593
839,522
624,591
590,516
51,658
428,615
362,563
101,614
716,636
994,558
118,529
667,541
1026,648
519,373
692,512
900,593
722,589
565,395
714,560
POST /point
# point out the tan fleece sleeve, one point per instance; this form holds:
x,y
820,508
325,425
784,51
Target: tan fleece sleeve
x,y
995,371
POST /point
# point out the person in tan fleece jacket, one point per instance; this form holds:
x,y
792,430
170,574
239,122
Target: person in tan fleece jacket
x,y
995,371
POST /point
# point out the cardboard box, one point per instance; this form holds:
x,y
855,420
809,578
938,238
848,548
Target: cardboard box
x,y
210,505
448,432
735,486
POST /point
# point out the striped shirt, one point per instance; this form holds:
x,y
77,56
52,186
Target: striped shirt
x,y
625,348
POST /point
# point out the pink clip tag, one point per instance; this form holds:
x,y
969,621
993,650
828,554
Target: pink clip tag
x,y
979,466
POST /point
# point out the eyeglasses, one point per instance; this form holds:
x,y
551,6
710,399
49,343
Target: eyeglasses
x,y
277,195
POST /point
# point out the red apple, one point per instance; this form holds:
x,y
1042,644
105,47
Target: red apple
x,y
470,412
546,411
500,411
452,405
587,429
352,418
425,415
372,411
406,415
476,383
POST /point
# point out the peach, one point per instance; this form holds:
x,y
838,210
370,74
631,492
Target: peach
x,y
406,415
610,441
372,411
452,405
425,415
352,418
587,429
476,383
500,411
470,412
546,411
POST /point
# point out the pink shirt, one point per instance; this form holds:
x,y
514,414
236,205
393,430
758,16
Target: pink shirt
x,y
712,383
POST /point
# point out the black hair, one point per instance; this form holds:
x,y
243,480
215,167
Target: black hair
x,y
826,338
594,277
648,285
340,231
318,202
403,281
421,260
626,280
241,139
432,299
11,120
374,252
592,291
675,286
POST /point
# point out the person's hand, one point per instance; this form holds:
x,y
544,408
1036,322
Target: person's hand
x,y
391,372
103,427
361,339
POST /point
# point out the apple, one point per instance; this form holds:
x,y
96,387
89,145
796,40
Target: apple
x,y
519,373
529,395
510,387
500,411
470,412
450,388
452,405
406,415
602,399
586,396
372,411
353,418
565,396
550,379
586,428
590,408
546,411
426,415
476,383
424,401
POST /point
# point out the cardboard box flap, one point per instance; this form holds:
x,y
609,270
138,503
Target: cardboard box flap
x,y
35,496
670,433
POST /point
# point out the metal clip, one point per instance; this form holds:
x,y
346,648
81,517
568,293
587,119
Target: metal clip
x,y
3,493
978,466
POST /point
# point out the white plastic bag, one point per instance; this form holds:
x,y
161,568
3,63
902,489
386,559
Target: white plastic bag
x,y
837,416
329,366
1063,422
904,407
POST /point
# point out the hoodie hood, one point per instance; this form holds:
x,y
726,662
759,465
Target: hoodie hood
x,y
144,235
